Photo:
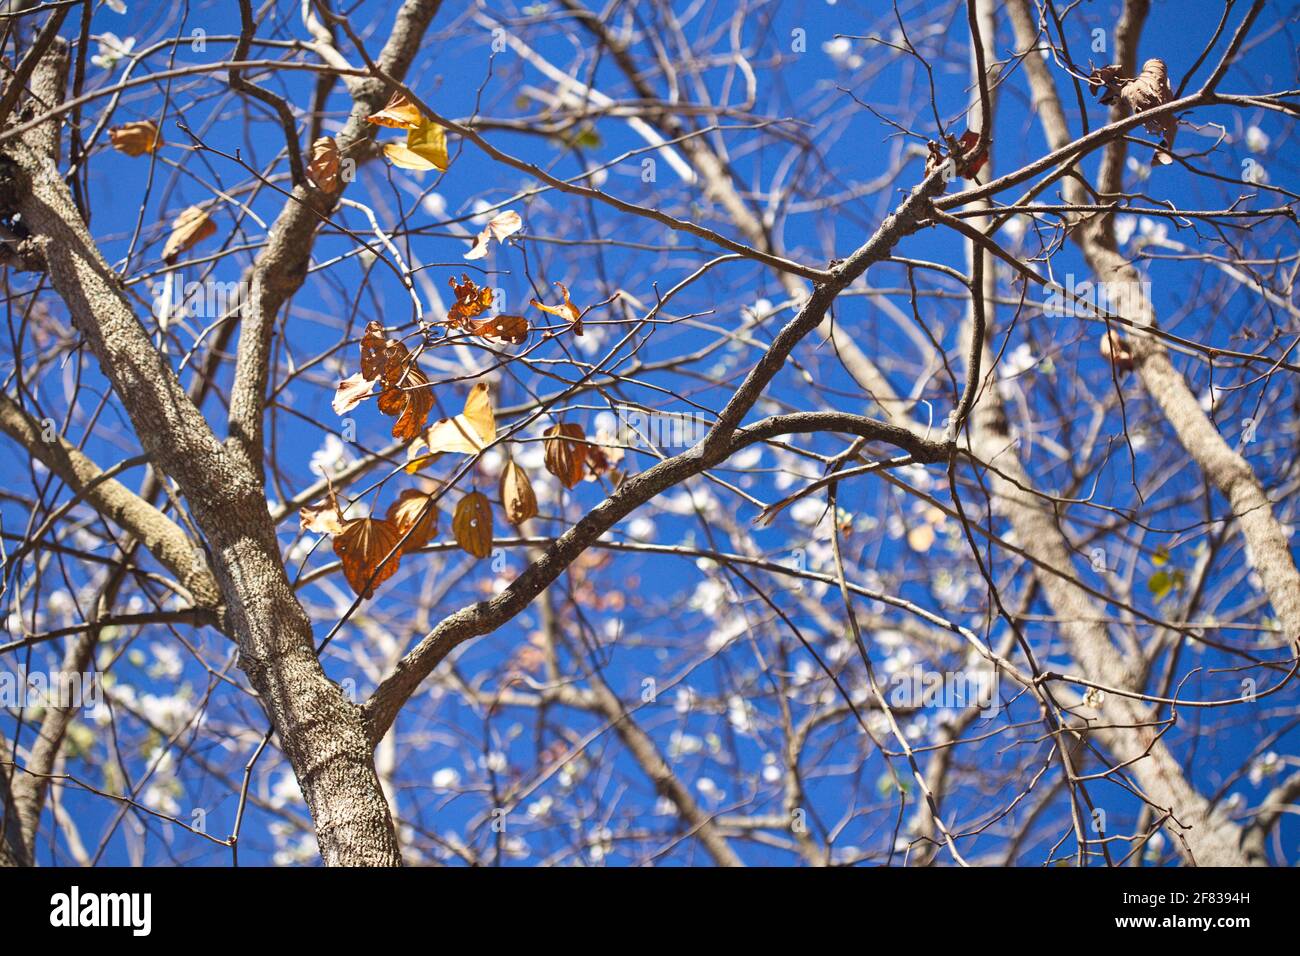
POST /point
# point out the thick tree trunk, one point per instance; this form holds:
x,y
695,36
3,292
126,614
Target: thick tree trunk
x,y
319,729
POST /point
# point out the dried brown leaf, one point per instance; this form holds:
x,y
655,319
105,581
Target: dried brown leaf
x,y
566,452
136,139
191,226
472,524
517,495
364,550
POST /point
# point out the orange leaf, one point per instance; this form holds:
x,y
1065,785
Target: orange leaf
x,y
472,524
414,509
410,399
517,494
400,113
364,548
471,301
190,226
566,453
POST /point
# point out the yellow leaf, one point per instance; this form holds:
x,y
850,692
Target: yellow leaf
x,y
472,524
190,226
517,495
425,148
469,432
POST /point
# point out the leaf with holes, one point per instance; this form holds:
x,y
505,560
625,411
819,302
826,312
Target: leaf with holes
x,y
472,524
512,329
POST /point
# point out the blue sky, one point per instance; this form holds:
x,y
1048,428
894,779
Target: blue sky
x,y
666,613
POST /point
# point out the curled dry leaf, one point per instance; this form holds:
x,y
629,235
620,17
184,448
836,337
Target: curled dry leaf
x,y
191,226
414,509
566,452
406,394
323,170
410,400
469,432
136,139
425,148
1146,91
517,495
499,228
472,524
567,311
380,356
506,328
399,113
368,551
324,518
471,301
352,391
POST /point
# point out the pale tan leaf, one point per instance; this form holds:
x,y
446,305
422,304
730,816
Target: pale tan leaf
x,y
499,228
469,432
191,226
323,518
517,495
352,391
